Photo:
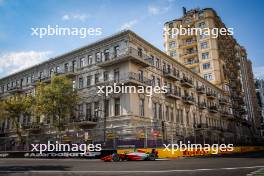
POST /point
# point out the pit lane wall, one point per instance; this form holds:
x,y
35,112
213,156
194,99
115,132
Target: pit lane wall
x,y
162,153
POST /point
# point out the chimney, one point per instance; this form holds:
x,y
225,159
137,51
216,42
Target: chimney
x,y
184,10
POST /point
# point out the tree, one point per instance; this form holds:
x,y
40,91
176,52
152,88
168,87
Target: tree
x,y
2,110
15,107
56,100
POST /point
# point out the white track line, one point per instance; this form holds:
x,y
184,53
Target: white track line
x,y
133,171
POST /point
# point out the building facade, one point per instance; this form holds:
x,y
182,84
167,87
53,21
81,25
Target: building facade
x,y
193,109
259,84
251,107
220,60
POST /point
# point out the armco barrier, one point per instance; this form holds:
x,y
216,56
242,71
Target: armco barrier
x,y
89,155
188,153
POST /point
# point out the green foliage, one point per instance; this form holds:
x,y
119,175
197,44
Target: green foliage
x,y
56,100
2,110
15,107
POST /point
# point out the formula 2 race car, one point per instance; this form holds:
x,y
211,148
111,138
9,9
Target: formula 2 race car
x,y
132,156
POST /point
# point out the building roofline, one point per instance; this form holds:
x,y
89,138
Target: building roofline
x,y
97,42
121,33
172,59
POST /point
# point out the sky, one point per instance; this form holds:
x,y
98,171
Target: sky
x,y
20,49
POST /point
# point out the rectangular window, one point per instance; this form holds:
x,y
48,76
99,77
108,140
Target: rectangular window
x,y
116,75
173,53
205,55
201,15
96,78
177,116
80,110
203,36
202,25
141,107
66,67
171,115
206,65
204,45
40,75
172,44
80,83
167,113
208,76
88,111
58,69
157,62
106,75
106,108
106,55
73,66
98,57
89,80
89,60
117,106
81,62
154,110
96,109
152,80
160,111
51,71
116,51
158,82
32,78
140,52
28,78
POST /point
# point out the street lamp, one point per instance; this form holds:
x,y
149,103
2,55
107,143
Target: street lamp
x,y
97,110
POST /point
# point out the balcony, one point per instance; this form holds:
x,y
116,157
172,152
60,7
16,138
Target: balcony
x,y
226,92
189,53
240,100
202,126
202,105
226,115
16,89
85,121
191,62
186,82
173,94
188,100
216,129
135,78
200,90
246,122
211,95
223,101
46,79
128,54
213,109
32,127
242,111
188,43
69,72
171,75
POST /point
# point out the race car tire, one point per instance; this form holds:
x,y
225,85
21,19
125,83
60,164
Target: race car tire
x,y
116,158
151,157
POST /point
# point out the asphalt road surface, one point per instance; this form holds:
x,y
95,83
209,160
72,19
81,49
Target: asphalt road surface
x,y
249,164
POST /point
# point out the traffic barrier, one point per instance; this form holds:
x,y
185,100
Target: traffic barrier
x,y
162,153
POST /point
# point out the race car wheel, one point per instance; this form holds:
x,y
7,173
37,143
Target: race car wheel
x,y
116,158
151,157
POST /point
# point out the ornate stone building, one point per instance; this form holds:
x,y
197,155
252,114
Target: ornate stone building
x,y
193,108
220,60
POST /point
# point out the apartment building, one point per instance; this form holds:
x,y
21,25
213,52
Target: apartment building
x,y
251,110
193,109
216,59
259,84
